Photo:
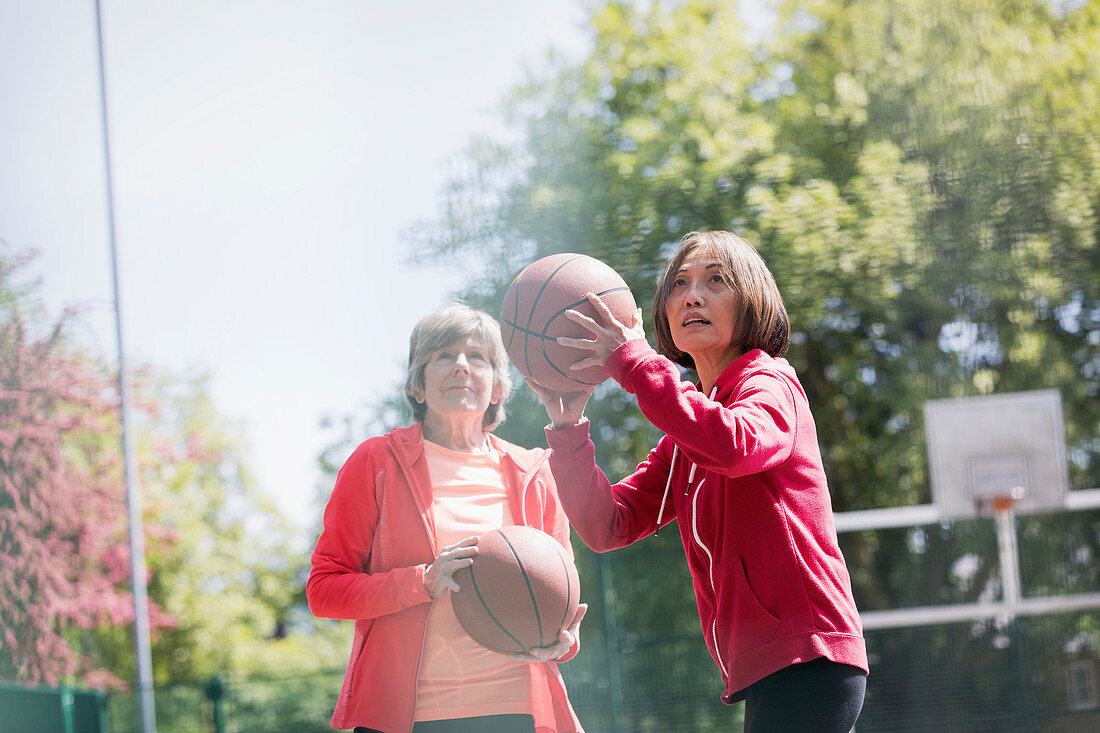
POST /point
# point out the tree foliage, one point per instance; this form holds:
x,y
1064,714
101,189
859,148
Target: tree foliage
x,y
224,577
923,178
64,554
932,225
230,574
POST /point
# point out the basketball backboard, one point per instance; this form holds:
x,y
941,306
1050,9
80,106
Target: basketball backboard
x,y
980,448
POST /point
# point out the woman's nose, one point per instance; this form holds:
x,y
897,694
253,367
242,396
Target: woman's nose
x,y
693,297
462,363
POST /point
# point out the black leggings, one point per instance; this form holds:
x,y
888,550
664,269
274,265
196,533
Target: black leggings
x,y
821,695
483,724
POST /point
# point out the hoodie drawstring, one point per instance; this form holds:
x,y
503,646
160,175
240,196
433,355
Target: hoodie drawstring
x,y
668,481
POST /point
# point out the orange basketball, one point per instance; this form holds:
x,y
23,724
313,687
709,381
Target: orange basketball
x,y
520,592
532,317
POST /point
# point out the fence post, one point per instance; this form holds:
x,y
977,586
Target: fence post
x,y
1029,715
216,692
65,697
102,718
610,643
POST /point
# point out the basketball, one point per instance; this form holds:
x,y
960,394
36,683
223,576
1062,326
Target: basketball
x,y
520,592
532,317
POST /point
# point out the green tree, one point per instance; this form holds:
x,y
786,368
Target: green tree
x,y
64,555
230,574
922,177
224,579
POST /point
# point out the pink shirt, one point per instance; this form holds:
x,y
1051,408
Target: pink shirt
x,y
458,677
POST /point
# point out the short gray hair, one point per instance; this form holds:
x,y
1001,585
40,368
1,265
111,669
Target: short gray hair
x,y
445,326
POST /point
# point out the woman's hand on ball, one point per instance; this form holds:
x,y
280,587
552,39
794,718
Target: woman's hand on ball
x,y
439,576
566,639
608,333
564,408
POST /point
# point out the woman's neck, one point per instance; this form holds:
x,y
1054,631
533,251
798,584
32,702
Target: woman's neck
x,y
463,435
710,369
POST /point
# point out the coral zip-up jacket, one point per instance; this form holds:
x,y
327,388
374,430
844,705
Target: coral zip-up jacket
x,y
369,563
744,479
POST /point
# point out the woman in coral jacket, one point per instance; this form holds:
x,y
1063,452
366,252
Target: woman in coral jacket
x,y
404,515
740,469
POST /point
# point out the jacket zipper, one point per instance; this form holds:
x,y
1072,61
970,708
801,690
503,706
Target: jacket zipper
x,y
706,550
424,512
419,663
710,574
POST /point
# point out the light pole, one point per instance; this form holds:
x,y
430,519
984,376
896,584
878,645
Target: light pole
x,y
133,489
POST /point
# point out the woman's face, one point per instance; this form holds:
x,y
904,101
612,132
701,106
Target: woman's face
x,y
458,379
702,310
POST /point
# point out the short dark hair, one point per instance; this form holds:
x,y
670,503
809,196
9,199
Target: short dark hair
x,y
436,331
763,322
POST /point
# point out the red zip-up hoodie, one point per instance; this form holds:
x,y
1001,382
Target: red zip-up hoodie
x,y
741,470
369,563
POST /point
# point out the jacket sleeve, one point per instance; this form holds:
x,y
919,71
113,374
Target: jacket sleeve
x,y
554,520
607,516
753,431
339,585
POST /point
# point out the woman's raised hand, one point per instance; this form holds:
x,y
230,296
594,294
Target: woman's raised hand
x,y
438,578
563,408
608,333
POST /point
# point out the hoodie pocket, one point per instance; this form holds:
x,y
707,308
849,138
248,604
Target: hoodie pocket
x,y
358,645
741,618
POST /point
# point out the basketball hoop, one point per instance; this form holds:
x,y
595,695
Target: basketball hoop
x,y
1000,503
982,447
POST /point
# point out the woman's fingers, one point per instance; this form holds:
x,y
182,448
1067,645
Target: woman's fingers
x,y
601,309
592,361
438,577
575,626
566,639
608,332
462,545
576,343
589,323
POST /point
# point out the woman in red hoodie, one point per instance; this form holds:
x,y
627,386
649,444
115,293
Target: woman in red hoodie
x,y
740,468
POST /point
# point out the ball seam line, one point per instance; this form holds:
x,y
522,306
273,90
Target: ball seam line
x,y
530,590
473,580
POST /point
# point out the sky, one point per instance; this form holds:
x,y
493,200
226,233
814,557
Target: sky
x,y
267,157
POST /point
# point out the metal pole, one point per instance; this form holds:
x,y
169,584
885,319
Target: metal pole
x,y
611,643
133,490
1009,556
216,692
